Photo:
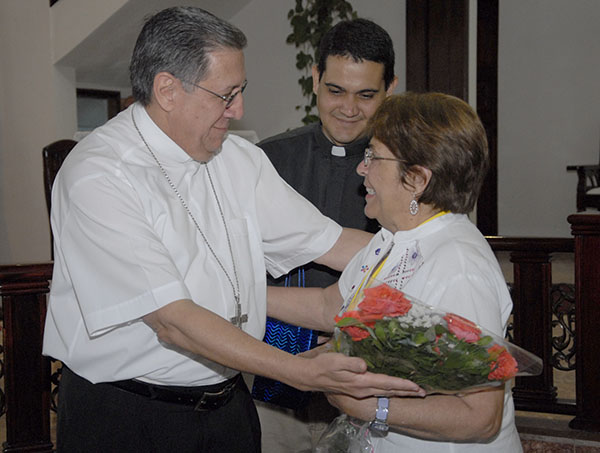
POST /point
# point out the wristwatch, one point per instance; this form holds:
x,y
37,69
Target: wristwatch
x,y
380,423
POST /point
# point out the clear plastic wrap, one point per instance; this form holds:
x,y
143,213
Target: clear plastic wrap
x,y
346,434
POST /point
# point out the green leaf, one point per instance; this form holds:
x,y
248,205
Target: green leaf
x,y
440,330
380,332
307,85
348,321
420,338
485,341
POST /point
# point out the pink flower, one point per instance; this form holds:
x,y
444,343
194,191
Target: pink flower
x,y
462,328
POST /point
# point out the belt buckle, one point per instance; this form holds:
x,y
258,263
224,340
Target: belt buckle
x,y
214,400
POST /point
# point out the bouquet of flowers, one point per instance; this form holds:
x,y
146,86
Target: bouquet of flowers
x,y
442,352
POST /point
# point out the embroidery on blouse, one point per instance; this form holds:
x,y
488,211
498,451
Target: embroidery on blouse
x,y
408,263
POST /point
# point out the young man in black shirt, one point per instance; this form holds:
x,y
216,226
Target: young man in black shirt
x,y
354,74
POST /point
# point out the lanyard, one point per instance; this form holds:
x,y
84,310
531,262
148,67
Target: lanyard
x,y
369,277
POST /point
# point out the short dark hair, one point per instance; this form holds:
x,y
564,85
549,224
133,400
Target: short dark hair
x,y
439,132
359,39
179,40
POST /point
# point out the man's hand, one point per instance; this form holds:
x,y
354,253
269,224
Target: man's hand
x,y
333,372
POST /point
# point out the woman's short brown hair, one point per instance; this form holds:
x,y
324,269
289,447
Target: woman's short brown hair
x,y
439,132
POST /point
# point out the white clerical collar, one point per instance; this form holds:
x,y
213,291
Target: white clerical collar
x,y
338,151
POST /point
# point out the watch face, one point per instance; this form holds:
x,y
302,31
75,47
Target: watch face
x,y
379,428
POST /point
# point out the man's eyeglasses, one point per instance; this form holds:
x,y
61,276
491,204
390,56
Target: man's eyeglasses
x,y
228,99
369,156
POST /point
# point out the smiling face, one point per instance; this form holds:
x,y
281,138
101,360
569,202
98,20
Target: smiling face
x,y
387,198
348,93
199,120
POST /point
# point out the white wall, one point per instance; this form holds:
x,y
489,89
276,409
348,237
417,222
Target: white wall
x,y
548,110
34,110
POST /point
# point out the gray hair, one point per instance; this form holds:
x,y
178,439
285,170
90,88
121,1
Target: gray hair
x,y
179,41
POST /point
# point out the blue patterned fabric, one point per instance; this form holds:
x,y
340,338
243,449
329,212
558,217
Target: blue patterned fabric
x,y
292,339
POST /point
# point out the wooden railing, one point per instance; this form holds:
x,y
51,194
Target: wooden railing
x,y
23,291
533,323
586,230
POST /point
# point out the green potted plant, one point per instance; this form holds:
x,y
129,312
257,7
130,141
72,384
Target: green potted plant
x,y
310,20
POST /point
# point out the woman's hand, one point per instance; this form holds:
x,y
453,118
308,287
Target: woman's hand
x,y
322,348
473,417
363,409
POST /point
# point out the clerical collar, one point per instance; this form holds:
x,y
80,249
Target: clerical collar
x,y
338,151
357,147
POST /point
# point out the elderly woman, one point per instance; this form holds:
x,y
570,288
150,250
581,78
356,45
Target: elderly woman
x,y
423,171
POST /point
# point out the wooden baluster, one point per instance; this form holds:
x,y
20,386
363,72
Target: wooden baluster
x,y
532,315
586,230
532,322
23,291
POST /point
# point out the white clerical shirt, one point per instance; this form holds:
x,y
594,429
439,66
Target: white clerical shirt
x,y
125,247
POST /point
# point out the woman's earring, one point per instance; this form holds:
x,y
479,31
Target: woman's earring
x,y
413,207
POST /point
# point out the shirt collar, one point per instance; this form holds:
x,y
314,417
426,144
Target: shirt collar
x,y
420,231
357,147
161,144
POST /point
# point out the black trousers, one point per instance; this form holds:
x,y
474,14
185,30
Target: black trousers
x,y
102,418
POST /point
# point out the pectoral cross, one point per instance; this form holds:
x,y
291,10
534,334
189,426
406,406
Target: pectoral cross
x,y
239,318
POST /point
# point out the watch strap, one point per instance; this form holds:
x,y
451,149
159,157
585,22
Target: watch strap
x,y
381,415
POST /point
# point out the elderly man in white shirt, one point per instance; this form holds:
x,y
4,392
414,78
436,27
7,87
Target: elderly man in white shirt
x,y
164,228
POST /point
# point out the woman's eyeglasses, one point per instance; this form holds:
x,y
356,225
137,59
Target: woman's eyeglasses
x,y
369,156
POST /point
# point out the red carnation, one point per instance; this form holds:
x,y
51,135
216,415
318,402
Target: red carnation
x,y
347,314
383,301
356,333
504,367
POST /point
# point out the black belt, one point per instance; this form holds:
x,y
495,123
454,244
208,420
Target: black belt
x,y
204,398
